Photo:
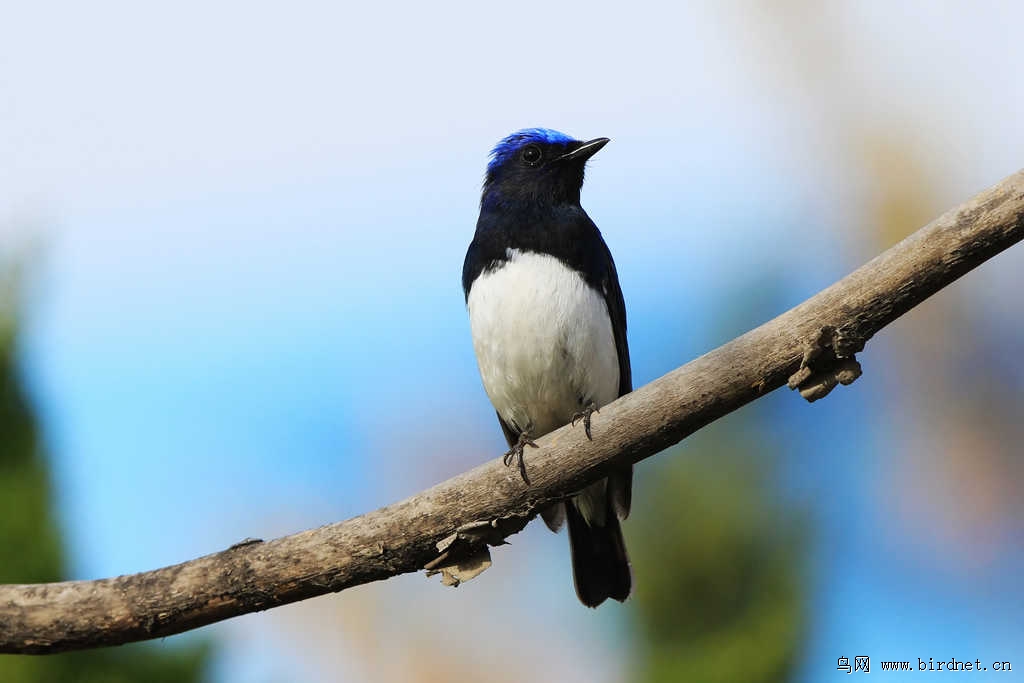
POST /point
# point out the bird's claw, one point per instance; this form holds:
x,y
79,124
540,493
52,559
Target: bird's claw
x,y
515,454
585,416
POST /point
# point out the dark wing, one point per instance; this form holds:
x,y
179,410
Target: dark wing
x,y
617,311
620,482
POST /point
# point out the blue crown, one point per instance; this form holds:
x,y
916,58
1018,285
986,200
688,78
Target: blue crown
x,y
514,142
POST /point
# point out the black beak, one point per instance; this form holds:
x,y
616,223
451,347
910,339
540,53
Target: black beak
x,y
585,150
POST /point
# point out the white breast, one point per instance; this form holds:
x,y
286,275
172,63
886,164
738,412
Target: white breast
x,y
543,340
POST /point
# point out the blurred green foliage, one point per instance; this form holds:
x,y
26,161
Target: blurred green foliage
x,y
31,549
720,567
721,561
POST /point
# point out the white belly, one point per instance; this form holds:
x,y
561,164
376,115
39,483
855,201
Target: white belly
x,y
543,340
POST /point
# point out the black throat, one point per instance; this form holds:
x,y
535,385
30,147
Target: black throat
x,y
559,229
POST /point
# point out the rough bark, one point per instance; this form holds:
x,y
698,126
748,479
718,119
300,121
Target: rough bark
x,y
448,527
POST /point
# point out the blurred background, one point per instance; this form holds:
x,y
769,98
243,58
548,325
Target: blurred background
x,y
232,239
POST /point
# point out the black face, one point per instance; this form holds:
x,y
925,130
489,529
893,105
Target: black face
x,y
539,172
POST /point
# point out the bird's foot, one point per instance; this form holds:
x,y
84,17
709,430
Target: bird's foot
x,y
585,416
515,454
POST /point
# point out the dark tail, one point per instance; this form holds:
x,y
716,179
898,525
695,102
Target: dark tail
x,y
600,566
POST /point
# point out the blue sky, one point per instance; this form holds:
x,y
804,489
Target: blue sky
x,y
254,219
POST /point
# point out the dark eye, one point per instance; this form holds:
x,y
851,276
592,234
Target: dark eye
x,y
531,154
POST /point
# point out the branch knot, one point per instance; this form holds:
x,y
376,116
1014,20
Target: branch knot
x,y
465,554
828,360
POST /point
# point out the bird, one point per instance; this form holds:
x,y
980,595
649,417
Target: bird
x,y
548,324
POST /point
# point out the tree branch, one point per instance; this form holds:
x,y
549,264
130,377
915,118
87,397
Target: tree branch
x,y
811,346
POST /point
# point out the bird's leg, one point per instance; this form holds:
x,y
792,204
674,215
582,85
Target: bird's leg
x,y
585,416
515,453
